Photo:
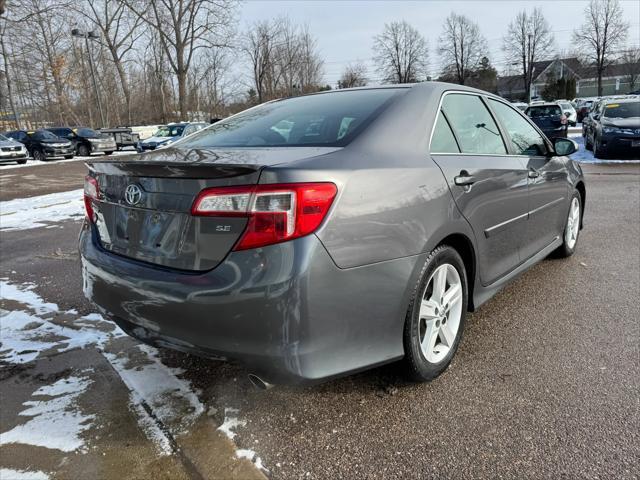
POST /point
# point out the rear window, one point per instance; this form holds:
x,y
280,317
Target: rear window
x,y
622,110
544,111
331,119
87,132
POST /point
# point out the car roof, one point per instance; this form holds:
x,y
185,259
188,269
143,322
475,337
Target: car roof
x,y
546,104
621,100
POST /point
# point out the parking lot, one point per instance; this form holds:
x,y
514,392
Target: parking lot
x,y
545,384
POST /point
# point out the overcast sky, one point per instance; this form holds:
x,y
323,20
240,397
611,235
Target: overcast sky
x,y
345,29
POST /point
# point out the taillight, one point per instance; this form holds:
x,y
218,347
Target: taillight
x,y
277,212
91,191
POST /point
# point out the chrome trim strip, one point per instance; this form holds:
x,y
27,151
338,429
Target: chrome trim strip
x,y
545,206
501,227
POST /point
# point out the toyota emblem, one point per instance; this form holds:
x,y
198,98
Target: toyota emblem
x,y
133,194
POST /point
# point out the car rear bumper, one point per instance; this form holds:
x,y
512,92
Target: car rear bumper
x,y
285,312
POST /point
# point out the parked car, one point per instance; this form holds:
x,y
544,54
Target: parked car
x,y
549,118
615,129
569,112
12,151
168,134
587,123
521,105
122,136
85,140
583,110
42,144
320,235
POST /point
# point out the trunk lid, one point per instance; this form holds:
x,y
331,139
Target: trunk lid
x,y
143,209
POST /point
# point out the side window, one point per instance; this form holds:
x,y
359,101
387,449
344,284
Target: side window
x,y
473,125
189,130
443,140
526,139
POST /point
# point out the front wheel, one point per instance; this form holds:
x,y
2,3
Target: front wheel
x,y
436,315
598,151
571,228
38,155
83,151
21,162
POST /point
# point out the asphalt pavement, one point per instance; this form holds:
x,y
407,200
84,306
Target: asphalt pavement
x,y
546,383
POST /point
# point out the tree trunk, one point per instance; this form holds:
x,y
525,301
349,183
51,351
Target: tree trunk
x,y
7,77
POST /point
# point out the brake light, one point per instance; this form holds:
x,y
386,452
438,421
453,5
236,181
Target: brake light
x,y
91,190
276,212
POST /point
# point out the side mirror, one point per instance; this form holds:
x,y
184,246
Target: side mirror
x,y
564,146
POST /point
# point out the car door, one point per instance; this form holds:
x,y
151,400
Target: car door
x,y
489,186
548,181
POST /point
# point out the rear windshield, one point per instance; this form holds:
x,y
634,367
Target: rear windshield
x,y
87,132
169,131
45,135
622,110
544,111
331,119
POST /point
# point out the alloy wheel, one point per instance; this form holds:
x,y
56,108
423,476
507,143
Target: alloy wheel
x,y
440,313
573,224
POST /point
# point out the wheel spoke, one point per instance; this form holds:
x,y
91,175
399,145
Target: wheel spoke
x,y
446,335
428,342
439,283
452,296
428,310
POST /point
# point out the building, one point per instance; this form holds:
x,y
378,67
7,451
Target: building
x,y
616,80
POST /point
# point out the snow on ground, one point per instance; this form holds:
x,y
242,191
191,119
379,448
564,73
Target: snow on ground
x,y
34,163
54,422
164,403
41,211
585,156
10,474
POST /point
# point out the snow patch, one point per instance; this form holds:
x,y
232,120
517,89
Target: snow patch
x,y
10,474
251,456
25,294
54,424
231,421
41,211
585,156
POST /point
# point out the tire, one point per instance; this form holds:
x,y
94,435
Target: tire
x,y
571,231
21,162
108,153
83,151
417,327
598,152
68,157
587,143
39,156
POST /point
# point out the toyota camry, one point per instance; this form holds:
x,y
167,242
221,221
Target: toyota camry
x,y
316,236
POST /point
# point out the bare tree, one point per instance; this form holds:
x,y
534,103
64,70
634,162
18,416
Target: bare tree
x,y
461,46
184,27
283,58
120,29
401,53
7,73
528,40
631,65
602,32
354,75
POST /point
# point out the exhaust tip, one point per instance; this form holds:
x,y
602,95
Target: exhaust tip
x,y
259,383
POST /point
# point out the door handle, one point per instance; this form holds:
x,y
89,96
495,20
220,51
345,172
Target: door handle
x,y
533,173
464,179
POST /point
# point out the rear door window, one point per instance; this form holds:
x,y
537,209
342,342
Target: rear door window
x,y
443,140
525,138
473,125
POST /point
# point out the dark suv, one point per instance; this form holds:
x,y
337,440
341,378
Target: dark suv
x,y
549,118
42,144
86,140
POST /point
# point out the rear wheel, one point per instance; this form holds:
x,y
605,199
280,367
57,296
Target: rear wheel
x,y
436,315
571,228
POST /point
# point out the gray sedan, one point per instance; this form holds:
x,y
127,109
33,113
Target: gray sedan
x,y
12,151
321,235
